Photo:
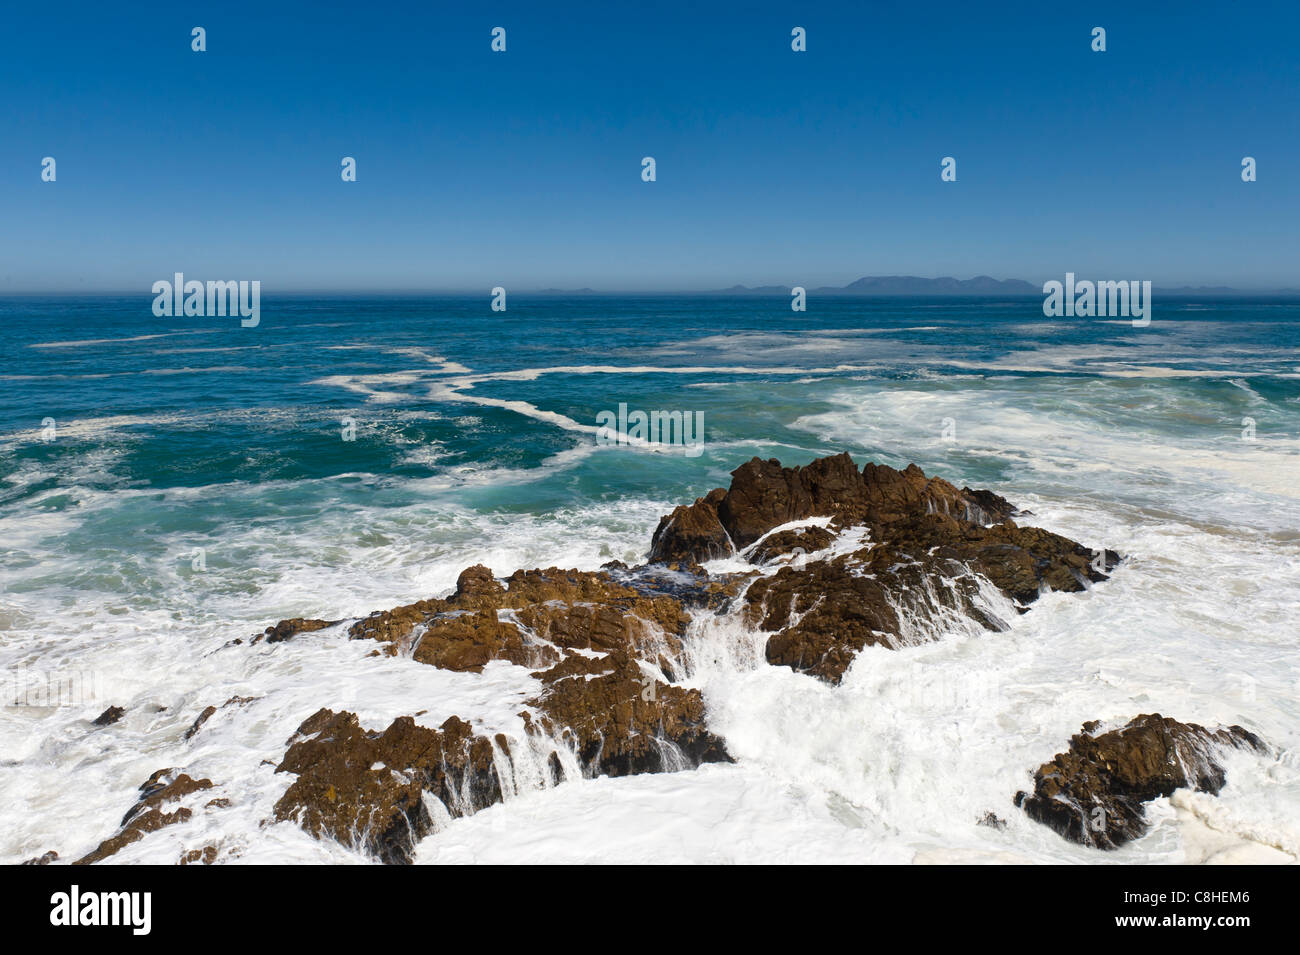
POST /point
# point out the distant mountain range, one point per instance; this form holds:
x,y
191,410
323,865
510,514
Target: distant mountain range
x,y
912,285
906,285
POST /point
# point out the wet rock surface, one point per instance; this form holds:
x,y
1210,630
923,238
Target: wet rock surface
x,y
764,495
210,711
109,716
155,809
603,651
366,789
1096,791
875,557
913,574
288,629
624,721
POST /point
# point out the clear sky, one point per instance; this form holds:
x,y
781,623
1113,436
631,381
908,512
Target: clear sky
x,y
523,168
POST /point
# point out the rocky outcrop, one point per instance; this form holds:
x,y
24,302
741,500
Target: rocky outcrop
x,y
874,557
621,721
603,651
529,620
908,579
764,495
150,812
367,789
1095,792
692,533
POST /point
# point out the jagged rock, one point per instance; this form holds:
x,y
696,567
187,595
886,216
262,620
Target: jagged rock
x,y
623,722
148,813
287,629
366,789
805,540
1095,792
764,495
109,716
692,533
477,587
43,859
604,645
892,593
924,537
542,610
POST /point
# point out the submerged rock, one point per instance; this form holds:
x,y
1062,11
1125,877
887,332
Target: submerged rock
x,y
109,716
1095,792
288,629
149,814
209,711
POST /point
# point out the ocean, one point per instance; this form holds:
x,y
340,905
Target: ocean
x,y
170,484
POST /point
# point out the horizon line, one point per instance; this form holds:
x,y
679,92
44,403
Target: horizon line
x,y
771,291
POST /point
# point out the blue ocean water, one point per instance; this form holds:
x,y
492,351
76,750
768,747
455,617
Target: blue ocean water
x,y
167,484
196,402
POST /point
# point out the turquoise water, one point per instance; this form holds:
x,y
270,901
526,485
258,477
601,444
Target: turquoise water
x,y
197,402
197,483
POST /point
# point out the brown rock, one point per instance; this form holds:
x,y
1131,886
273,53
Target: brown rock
x,y
148,814
568,608
1095,792
205,856
199,721
210,710
287,629
692,532
476,587
366,789
467,641
764,495
624,722
806,540
109,716
926,536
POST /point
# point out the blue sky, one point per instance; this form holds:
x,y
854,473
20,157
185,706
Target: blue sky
x,y
522,169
